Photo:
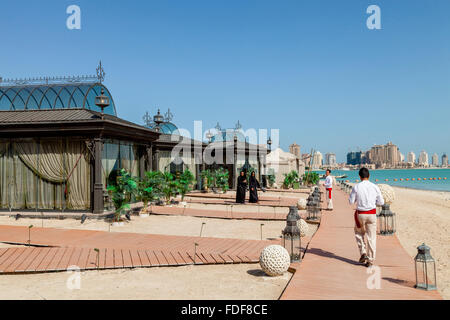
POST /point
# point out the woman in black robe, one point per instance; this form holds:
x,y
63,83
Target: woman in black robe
x,y
241,188
254,185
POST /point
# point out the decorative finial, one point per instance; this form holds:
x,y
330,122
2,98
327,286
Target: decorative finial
x,y
100,72
147,119
238,126
218,127
168,115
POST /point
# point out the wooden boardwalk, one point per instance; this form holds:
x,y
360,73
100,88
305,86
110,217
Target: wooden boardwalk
x,y
330,269
268,202
64,248
218,214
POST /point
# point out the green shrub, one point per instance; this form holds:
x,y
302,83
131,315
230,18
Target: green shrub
x,y
290,178
185,183
310,178
169,186
221,179
149,187
122,191
216,179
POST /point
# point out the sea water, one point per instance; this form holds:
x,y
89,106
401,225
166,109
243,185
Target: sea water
x,y
391,175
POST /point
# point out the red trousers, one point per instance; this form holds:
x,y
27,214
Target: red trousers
x,y
329,192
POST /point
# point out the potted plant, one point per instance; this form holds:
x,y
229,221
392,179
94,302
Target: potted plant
x,y
185,183
289,179
271,179
208,179
149,189
169,187
121,192
222,178
310,178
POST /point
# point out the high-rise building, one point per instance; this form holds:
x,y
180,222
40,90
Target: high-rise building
x,y
330,159
385,155
354,158
317,160
444,160
411,157
435,160
402,157
295,150
423,159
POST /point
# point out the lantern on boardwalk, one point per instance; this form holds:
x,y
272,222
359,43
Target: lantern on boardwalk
x,y
312,208
291,235
386,221
425,269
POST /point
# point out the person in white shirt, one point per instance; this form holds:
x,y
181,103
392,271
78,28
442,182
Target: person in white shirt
x,y
367,197
329,188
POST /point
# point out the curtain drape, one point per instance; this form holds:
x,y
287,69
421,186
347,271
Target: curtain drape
x,y
189,162
45,159
44,175
77,162
110,160
164,161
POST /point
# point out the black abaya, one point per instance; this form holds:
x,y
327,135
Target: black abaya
x,y
241,189
254,185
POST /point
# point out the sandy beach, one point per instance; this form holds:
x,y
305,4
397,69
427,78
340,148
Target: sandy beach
x,y
424,216
239,281
216,282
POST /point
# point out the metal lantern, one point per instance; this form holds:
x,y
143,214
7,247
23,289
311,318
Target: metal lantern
x,y
291,236
313,214
425,269
158,119
102,101
312,208
209,136
269,144
386,221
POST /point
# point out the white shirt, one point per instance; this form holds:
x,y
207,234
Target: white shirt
x,y
329,182
367,195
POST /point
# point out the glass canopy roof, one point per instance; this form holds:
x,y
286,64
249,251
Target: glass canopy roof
x,y
54,96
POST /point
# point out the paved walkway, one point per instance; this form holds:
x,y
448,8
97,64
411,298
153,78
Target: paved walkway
x,y
218,214
330,269
116,250
270,202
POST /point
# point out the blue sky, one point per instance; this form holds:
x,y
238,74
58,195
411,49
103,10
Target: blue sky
x,y
310,68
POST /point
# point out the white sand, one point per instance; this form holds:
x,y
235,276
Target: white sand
x,y
237,282
245,281
424,216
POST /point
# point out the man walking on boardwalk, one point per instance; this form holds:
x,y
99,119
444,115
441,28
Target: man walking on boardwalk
x,y
367,196
329,188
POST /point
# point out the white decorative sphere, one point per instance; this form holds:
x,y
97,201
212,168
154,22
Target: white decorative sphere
x,y
275,186
301,204
274,260
304,227
387,192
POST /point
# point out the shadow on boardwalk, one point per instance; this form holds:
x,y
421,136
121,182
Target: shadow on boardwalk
x,y
331,255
